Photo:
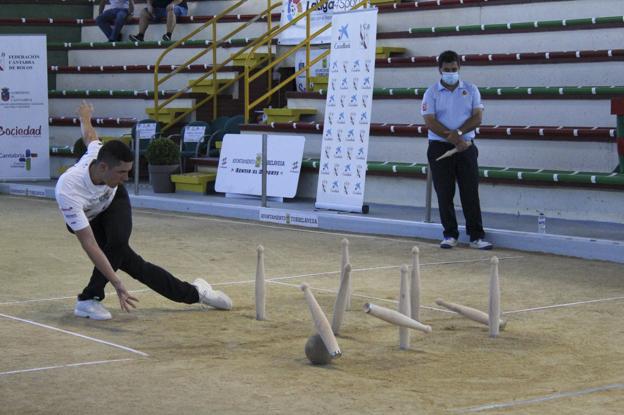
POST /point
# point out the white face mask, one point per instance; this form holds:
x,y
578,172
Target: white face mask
x,y
450,78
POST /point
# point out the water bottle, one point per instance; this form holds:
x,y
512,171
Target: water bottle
x,y
541,223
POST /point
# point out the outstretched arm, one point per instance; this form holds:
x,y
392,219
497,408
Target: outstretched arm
x,y
85,111
90,246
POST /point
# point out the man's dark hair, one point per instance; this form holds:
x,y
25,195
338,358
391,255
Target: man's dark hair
x,y
114,152
448,56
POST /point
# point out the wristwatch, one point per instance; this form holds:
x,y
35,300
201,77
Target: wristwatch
x,y
459,132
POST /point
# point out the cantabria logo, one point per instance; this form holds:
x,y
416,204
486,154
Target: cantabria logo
x,y
27,159
20,131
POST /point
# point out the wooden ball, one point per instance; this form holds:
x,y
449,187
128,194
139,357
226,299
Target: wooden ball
x,y
316,351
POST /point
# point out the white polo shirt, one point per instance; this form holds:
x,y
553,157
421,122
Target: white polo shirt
x,y
451,108
78,198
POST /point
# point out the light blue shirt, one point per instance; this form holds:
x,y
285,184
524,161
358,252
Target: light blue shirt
x,y
451,108
118,4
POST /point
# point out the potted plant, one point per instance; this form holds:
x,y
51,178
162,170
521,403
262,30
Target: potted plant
x,y
163,158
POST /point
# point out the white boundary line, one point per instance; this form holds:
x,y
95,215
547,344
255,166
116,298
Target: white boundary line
x,y
38,369
37,300
547,307
327,290
558,395
82,336
319,274
316,274
325,273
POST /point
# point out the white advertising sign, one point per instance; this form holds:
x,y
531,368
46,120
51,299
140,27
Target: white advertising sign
x,y
297,33
194,133
286,217
146,130
320,68
240,164
346,129
24,133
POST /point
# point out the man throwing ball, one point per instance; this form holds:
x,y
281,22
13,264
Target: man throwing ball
x,y
96,208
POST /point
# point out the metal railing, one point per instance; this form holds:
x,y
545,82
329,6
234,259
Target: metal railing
x,y
250,105
215,67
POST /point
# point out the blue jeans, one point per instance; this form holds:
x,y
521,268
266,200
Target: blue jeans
x,y
111,21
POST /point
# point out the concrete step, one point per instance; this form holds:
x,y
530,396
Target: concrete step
x,y
495,12
146,56
156,30
581,73
494,150
504,112
517,42
67,135
130,80
209,8
496,197
111,107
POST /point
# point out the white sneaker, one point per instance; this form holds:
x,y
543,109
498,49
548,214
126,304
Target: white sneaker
x,y
481,244
213,298
92,309
448,243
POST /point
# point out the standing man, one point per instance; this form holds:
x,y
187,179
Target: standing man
x,y
452,110
97,210
155,11
112,19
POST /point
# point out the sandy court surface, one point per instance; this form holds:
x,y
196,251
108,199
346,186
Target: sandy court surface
x,y
167,357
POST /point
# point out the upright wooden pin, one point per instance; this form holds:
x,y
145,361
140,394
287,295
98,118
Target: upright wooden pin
x,y
260,285
415,285
494,310
404,308
321,323
341,300
344,260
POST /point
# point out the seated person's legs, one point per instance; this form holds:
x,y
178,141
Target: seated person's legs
x,y
158,13
172,15
120,20
105,21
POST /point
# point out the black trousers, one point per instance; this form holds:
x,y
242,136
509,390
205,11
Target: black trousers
x,y
112,229
461,168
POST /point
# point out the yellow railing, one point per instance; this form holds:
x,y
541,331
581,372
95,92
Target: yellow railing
x,y
215,67
249,106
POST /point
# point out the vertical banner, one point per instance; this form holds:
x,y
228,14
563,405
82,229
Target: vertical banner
x,y
24,134
297,33
344,149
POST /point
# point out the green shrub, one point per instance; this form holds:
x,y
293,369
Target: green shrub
x,y
162,152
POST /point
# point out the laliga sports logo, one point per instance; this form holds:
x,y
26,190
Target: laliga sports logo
x,y
293,8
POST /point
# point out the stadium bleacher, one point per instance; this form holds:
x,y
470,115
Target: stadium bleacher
x,y
547,71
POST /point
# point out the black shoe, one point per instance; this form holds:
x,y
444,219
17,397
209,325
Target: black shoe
x,y
135,38
166,37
